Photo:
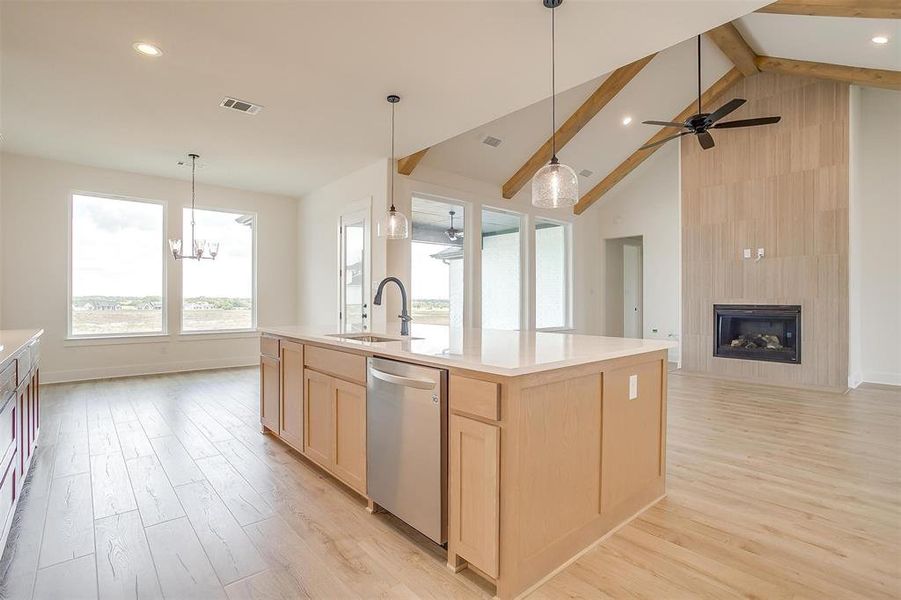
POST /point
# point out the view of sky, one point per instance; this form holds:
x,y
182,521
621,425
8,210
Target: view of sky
x,y
118,250
117,247
430,275
231,274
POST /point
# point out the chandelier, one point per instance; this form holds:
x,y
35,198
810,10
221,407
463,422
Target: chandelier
x,y
200,249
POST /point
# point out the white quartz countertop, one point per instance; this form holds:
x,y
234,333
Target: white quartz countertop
x,y
13,340
506,353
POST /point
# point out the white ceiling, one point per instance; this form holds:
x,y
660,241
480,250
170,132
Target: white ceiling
x,y
835,40
660,91
73,89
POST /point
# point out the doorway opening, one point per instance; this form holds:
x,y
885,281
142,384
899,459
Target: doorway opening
x,y
624,290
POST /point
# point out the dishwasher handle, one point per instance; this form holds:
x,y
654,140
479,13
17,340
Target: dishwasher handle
x,y
422,384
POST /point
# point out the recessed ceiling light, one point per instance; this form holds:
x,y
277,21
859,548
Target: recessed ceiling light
x,y
627,120
880,39
148,49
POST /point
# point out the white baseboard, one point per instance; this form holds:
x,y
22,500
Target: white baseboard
x,y
854,380
883,377
65,376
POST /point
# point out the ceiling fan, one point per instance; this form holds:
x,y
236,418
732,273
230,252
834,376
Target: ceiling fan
x,y
700,123
452,233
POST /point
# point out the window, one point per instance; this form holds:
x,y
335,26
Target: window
x,y
353,312
551,274
219,294
436,287
501,278
117,267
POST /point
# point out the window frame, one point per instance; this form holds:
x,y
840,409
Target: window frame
x,y
253,267
525,274
164,295
466,223
567,270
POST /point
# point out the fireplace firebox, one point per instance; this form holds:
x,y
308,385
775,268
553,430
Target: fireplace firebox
x,y
757,332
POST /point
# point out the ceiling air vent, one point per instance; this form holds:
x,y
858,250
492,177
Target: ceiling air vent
x,y
492,141
586,173
240,105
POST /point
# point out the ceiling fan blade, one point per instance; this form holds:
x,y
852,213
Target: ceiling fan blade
x,y
664,140
747,122
725,109
664,123
706,140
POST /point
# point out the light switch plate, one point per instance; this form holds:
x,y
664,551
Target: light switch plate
x,y
747,253
633,387
760,253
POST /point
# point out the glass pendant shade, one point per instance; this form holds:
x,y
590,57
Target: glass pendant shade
x,y
175,247
555,185
393,225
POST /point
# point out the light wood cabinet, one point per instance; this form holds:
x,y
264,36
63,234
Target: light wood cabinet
x,y
335,427
318,417
292,388
269,392
350,433
474,491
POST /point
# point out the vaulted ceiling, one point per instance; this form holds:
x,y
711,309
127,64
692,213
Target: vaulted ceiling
x,y
72,88
660,90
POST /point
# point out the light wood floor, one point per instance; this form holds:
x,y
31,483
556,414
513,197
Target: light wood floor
x,y
164,486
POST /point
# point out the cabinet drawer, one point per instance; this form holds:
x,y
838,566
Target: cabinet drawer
x,y
351,367
474,397
269,346
7,492
35,348
8,381
7,429
24,366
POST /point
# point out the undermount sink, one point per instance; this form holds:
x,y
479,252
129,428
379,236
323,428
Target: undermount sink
x,y
367,337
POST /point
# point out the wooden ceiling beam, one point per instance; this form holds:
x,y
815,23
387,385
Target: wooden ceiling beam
x,y
713,93
406,164
610,87
858,75
871,9
734,46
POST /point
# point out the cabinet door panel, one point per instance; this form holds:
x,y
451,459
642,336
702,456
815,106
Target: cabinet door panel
x,y
269,392
636,424
350,434
318,417
474,483
291,426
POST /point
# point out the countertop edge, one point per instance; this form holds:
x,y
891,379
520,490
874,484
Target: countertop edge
x,y
465,365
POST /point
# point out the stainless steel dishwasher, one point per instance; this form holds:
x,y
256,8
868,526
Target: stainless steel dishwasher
x,y
406,443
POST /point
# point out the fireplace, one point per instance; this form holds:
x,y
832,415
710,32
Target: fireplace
x,y
757,332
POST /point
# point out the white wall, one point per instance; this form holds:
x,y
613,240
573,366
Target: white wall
x,y
875,243
647,203
317,243
35,197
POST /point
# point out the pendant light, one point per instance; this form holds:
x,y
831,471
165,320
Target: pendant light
x,y
200,249
393,225
555,185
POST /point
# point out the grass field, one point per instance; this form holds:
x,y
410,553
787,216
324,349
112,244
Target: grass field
x,y
99,322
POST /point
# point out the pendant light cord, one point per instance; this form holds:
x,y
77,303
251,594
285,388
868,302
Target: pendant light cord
x,y
193,169
553,86
392,157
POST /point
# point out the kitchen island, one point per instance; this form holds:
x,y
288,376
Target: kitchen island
x,y
554,440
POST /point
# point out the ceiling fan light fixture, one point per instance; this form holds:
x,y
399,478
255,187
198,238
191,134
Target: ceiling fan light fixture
x,y
555,185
